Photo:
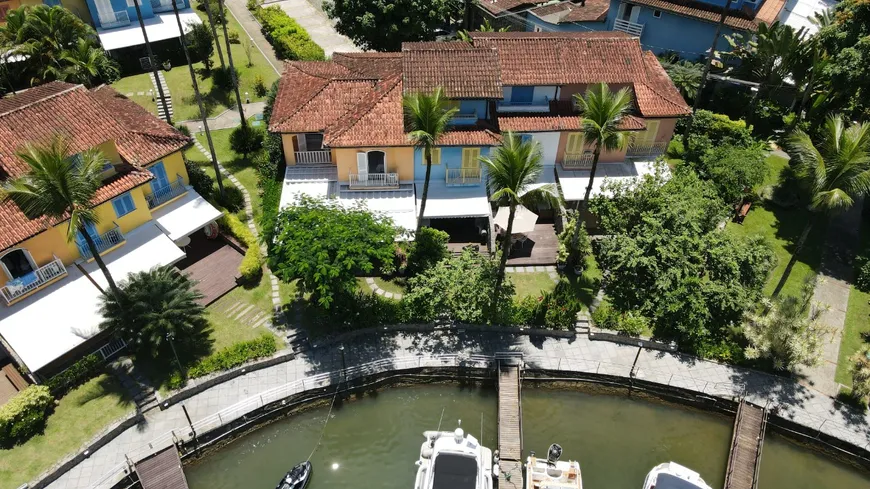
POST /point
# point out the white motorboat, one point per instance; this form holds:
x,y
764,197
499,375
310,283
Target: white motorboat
x,y
672,475
552,473
454,460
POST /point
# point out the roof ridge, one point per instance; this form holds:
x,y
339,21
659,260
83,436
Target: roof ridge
x,y
306,72
392,82
43,99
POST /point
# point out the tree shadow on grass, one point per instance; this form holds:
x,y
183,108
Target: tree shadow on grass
x,y
158,369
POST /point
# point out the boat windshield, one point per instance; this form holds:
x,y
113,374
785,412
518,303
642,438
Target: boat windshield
x,y
453,471
668,481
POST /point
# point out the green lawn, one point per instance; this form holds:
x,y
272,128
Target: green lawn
x,y
226,330
215,99
782,227
856,331
531,284
78,417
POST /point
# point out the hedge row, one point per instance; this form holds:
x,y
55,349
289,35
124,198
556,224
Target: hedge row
x,y
235,355
252,263
289,39
79,373
24,415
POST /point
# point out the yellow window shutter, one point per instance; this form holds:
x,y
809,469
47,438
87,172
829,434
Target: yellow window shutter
x,y
470,157
436,156
574,144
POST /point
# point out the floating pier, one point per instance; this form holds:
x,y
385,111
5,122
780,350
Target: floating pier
x,y
746,444
510,421
162,470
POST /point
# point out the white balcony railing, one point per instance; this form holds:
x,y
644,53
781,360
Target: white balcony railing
x,y
307,157
539,106
109,239
463,176
578,161
632,28
165,194
116,19
21,286
373,180
465,118
636,149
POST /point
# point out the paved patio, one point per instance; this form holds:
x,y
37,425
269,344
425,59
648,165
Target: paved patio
x,y
541,246
213,264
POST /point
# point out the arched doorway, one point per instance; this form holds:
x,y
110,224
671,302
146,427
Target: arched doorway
x,y
17,263
377,162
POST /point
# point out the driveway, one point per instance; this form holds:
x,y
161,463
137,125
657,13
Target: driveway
x,y
318,25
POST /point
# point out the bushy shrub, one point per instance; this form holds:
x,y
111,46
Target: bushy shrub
x,y
862,273
199,179
364,310
246,139
260,87
232,199
429,247
560,307
235,355
289,39
183,129
252,263
223,77
710,130
630,323
215,10
234,36
76,375
24,415
576,255
527,312
252,5
735,171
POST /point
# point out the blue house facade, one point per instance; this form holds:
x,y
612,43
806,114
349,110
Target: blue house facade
x,y
111,14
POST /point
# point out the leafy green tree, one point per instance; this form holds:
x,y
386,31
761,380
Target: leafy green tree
x,y
847,75
686,76
427,117
246,140
429,247
155,311
735,171
59,187
861,373
711,130
511,172
325,245
84,63
383,25
602,112
835,173
201,43
464,35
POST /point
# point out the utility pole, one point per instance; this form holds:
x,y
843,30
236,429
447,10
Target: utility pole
x,y
704,75
151,61
202,113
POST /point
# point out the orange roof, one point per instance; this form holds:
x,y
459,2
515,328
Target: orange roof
x,y
496,7
87,119
558,13
463,70
378,120
748,21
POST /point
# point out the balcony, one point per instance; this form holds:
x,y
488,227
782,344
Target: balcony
x,y
115,19
373,180
464,119
313,157
165,5
104,242
23,286
165,194
578,161
539,106
463,176
631,28
643,149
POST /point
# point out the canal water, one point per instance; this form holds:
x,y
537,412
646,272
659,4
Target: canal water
x,y
374,442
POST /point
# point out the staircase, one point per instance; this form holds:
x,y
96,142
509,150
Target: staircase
x,y
142,393
160,113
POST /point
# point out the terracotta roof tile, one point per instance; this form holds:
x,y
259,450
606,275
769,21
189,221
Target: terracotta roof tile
x,y
376,65
657,96
769,11
295,89
558,13
470,136
561,117
464,71
747,21
378,120
26,97
326,107
501,6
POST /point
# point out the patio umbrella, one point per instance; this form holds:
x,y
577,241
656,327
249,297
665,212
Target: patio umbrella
x,y
524,219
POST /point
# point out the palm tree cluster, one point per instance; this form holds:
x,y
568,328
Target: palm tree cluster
x,y
51,43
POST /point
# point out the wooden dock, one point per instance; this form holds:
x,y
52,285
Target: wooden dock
x,y
746,444
162,470
510,424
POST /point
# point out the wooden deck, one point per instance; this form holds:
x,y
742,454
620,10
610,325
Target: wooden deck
x,y
162,471
213,264
510,425
746,444
541,247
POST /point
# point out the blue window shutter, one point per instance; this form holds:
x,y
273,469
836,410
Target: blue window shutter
x,y
123,205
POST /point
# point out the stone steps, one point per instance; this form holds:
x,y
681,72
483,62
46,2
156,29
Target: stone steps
x,y
161,113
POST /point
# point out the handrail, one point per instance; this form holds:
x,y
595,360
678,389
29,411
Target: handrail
x,y
320,156
654,148
167,193
628,27
463,176
103,242
42,275
578,161
373,180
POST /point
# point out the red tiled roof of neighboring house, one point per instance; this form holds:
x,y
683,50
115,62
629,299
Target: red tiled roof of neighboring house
x,y
767,13
87,119
557,13
657,96
463,70
146,138
375,65
496,7
479,135
561,117
326,107
378,120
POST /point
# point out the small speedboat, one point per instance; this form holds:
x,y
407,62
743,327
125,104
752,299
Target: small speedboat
x,y
454,460
552,473
297,478
672,475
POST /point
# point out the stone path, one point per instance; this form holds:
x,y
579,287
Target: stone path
x,y
246,314
377,290
792,401
548,269
162,80
318,25
249,24
832,292
227,119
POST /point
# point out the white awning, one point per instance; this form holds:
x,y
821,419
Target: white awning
x,y
185,216
310,181
399,205
160,27
447,202
56,319
797,13
574,183
548,176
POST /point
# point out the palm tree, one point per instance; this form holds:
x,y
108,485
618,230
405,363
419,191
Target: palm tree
x,y
60,187
153,63
602,113
512,170
83,63
233,72
154,309
207,4
836,173
427,116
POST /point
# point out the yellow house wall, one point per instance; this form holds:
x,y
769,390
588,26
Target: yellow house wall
x,y
174,165
288,143
44,247
107,219
399,160
110,151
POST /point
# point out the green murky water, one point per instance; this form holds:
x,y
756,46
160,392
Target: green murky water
x,y
374,442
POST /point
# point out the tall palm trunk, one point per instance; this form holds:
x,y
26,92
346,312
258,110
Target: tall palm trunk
x,y
505,248
213,32
805,98
798,248
584,204
232,67
97,258
152,63
427,155
202,114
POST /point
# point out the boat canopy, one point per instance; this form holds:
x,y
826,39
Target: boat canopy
x,y
455,471
670,481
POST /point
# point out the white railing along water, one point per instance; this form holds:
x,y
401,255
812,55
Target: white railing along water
x,y
15,289
308,157
373,180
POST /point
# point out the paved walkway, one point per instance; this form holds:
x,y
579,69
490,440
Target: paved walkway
x,y
801,404
252,28
227,119
832,292
318,25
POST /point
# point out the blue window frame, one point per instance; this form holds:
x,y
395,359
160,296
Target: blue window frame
x,y
160,181
522,95
525,138
123,205
92,232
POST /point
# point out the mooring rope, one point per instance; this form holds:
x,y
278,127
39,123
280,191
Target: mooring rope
x,y
323,430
